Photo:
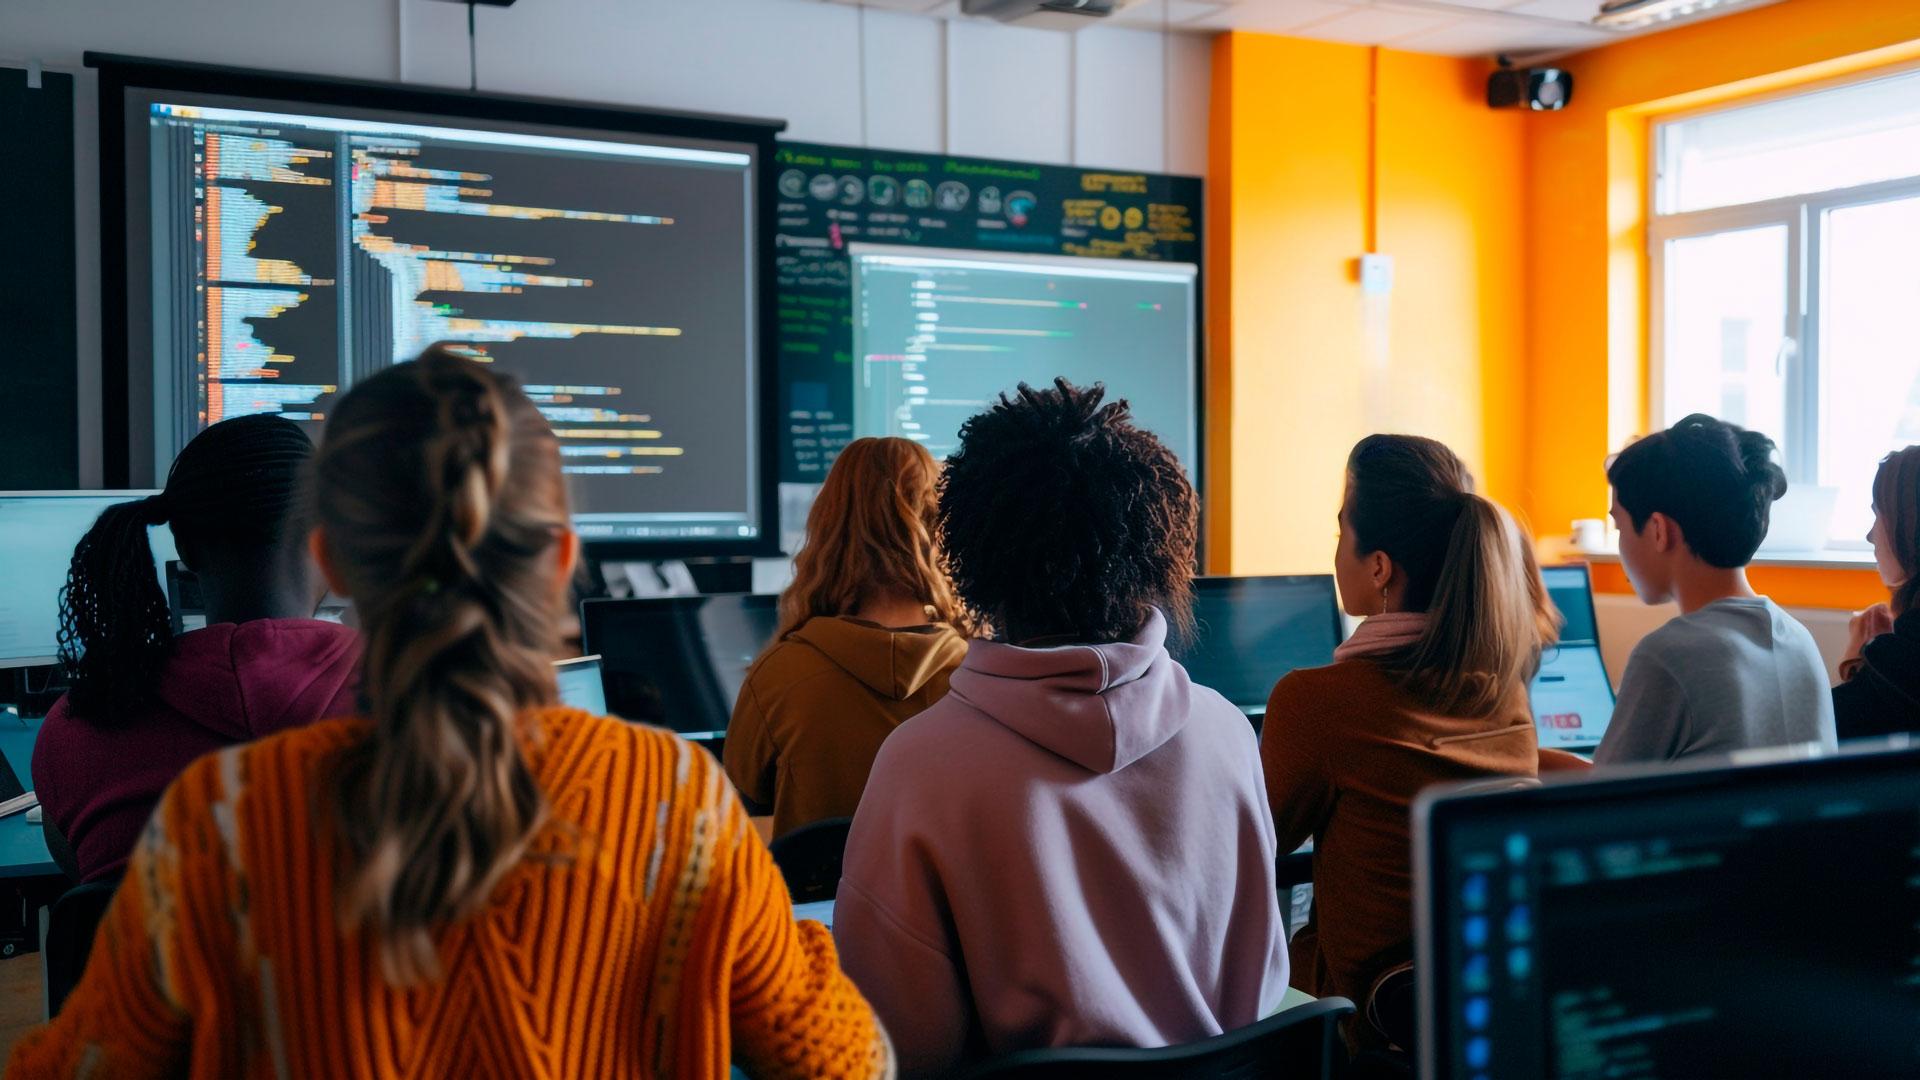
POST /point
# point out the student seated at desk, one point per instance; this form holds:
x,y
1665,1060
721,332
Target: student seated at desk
x,y
869,632
1072,847
1880,691
1733,671
144,703
472,880
1432,688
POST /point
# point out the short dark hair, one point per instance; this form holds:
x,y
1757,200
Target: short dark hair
x,y
1716,480
1060,516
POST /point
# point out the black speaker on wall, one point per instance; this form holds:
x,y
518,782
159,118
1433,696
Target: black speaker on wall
x,y
1543,89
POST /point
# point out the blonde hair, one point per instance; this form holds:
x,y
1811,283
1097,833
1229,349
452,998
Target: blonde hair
x,y
439,493
871,532
1467,566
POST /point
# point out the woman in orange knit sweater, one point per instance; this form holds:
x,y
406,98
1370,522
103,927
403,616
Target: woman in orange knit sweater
x,y
470,881
1431,688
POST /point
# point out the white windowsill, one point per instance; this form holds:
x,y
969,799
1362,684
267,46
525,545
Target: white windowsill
x,y
1842,559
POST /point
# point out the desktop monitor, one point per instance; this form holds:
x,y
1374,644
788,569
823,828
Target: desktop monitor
x,y
938,335
274,239
38,532
679,661
1572,696
1752,920
1251,631
580,685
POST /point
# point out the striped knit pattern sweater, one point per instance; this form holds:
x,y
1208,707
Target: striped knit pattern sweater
x,y
647,934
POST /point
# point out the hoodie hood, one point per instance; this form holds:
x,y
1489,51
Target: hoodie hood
x,y
895,664
244,680
1102,707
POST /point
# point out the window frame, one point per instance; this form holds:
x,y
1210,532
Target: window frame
x,y
1804,217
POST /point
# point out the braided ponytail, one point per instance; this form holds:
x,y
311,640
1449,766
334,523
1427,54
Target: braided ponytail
x,y
441,502
115,629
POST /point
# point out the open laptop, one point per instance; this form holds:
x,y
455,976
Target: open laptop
x,y
1251,631
1653,922
580,683
1572,695
679,661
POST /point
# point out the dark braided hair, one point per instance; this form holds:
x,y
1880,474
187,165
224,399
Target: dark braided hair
x,y
235,485
1060,516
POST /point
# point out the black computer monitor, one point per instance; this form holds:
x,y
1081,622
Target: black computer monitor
x,y
274,239
1756,920
1251,631
678,661
1572,695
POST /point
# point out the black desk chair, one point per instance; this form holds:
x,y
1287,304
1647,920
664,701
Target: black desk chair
x,y
70,929
809,859
1302,1043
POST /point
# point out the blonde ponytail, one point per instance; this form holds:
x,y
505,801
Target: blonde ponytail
x,y
441,502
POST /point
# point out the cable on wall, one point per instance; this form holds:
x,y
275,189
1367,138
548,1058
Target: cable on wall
x,y
860,35
1166,86
473,50
1372,227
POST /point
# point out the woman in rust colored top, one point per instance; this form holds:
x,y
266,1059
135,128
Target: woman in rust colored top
x,y
1432,688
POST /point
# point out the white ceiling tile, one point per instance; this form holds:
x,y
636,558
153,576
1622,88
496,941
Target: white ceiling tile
x,y
916,7
1487,5
1375,25
1186,11
1147,13
1490,37
1272,16
1153,14
1580,11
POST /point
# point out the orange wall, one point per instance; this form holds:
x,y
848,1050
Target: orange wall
x,y
1302,364
1586,224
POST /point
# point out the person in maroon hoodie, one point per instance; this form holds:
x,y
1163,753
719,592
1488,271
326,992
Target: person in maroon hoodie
x,y
143,704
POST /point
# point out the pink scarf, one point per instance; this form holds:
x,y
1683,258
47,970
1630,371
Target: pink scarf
x,y
1383,634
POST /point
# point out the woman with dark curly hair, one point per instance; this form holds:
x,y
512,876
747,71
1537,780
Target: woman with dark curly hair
x,y
1074,846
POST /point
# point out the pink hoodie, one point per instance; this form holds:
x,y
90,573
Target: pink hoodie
x,y
224,684
1072,848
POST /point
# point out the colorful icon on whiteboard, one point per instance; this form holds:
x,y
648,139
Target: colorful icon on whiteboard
x,y
919,194
989,200
1020,207
1109,217
951,196
853,190
1135,217
883,190
793,183
824,187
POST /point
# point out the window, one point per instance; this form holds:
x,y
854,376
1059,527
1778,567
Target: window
x,y
1785,244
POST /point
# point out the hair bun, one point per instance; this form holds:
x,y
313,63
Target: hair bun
x,y
1756,459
